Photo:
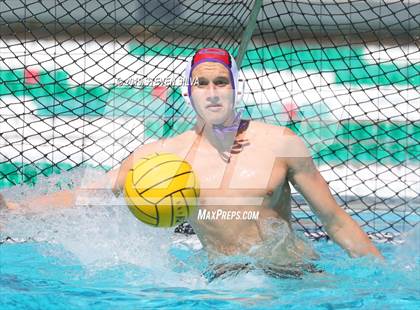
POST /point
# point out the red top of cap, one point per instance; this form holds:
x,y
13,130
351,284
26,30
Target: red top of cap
x,y
215,54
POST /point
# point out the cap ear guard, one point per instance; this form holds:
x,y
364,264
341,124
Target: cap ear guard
x,y
184,92
240,89
185,84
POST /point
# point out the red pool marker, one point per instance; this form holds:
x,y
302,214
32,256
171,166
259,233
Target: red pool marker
x,y
31,76
292,110
160,92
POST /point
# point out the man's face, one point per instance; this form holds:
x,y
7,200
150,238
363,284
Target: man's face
x,y
213,95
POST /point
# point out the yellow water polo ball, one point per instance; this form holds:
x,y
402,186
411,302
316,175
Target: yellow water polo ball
x,y
161,190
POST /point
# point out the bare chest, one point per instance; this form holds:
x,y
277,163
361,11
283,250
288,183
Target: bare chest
x,y
250,171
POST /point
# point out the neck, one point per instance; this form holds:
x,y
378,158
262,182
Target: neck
x,y
219,136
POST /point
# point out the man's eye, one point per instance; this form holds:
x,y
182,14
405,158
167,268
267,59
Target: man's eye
x,y
221,82
202,82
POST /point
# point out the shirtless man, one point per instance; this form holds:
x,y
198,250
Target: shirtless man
x,y
243,166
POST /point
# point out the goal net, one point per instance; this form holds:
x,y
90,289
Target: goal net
x,y
87,82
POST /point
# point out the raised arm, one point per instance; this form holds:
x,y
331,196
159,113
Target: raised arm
x,y
306,178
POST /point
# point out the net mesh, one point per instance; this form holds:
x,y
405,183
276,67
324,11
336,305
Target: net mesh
x,y
87,82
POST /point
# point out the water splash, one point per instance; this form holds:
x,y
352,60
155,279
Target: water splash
x,y
103,240
98,237
407,254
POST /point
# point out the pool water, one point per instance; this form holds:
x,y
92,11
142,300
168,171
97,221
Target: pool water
x,y
164,270
103,258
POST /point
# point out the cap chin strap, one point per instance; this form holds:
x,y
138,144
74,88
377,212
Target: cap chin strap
x,y
221,131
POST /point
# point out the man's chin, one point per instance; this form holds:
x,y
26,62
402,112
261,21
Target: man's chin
x,y
216,119
216,122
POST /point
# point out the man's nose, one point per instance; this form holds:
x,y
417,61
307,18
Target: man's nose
x,y
212,95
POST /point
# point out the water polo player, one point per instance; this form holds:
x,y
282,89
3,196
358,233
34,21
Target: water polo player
x,y
244,167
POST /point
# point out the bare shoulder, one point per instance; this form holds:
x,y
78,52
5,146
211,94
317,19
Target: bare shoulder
x,y
177,145
158,146
162,145
146,149
178,139
260,127
281,140
269,132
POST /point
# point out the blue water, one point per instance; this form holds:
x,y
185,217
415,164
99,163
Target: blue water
x,y
103,258
47,276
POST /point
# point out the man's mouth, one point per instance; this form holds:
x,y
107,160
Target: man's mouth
x,y
214,105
